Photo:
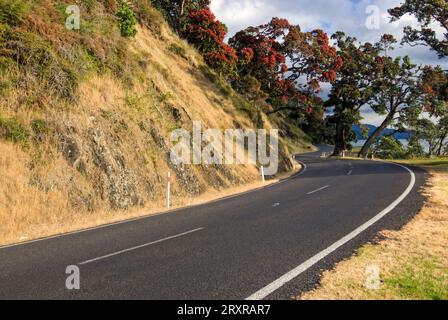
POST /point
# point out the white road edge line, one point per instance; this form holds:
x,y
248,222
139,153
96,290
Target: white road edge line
x,y
140,246
280,282
320,189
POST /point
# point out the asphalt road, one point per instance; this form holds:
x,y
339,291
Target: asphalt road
x,y
271,243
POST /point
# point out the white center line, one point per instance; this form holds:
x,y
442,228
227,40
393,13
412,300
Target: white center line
x,y
320,189
140,246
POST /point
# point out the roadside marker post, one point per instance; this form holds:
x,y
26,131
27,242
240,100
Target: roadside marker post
x,y
262,174
168,189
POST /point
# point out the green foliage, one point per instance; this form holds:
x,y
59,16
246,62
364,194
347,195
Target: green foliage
x,y
12,11
178,50
12,129
39,126
415,148
148,16
389,148
176,11
217,79
36,57
428,13
127,20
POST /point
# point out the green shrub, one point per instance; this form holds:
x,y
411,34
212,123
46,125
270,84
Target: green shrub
x,y
178,50
39,126
148,16
127,20
37,58
389,148
13,130
11,11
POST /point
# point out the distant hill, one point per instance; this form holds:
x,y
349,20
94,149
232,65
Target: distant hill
x,y
400,136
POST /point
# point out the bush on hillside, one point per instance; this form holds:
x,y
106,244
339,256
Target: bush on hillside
x,y
11,11
127,20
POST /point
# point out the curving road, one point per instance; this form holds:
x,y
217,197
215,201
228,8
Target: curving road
x,y
268,244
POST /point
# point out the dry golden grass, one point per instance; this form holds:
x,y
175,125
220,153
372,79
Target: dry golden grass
x,y
413,262
29,212
103,155
41,194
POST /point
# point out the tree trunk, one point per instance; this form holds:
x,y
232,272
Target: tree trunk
x,y
339,143
442,140
182,8
366,147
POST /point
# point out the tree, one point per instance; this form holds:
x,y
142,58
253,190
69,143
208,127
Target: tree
x,y
288,63
176,11
352,88
415,148
426,130
389,148
442,129
426,12
396,92
195,22
402,91
207,34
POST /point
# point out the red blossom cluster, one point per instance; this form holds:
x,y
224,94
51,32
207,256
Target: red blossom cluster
x,y
289,64
207,34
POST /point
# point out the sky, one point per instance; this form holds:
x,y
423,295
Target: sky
x,y
350,16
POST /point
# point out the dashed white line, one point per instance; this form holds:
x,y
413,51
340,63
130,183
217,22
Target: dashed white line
x,y
320,189
139,247
280,282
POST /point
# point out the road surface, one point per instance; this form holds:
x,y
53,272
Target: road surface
x,y
268,244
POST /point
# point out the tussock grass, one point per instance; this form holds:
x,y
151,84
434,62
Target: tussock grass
x,y
413,261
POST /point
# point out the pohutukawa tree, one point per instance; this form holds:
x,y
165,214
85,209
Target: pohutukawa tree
x,y
288,63
176,11
427,12
352,89
435,80
207,34
401,91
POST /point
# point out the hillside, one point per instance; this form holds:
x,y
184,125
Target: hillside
x,y
86,116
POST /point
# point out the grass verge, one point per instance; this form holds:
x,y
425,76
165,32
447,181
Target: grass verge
x,y
412,262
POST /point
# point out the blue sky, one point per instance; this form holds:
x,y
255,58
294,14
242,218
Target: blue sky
x,y
349,16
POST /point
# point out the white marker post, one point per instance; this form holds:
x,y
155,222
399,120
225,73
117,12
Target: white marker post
x,y
262,173
168,190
